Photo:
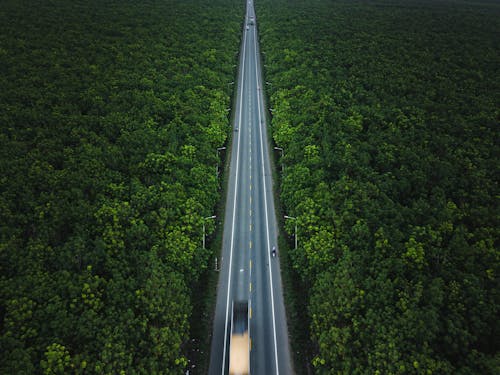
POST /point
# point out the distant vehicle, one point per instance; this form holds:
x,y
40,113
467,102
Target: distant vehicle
x,y
239,346
273,251
247,27
235,128
252,21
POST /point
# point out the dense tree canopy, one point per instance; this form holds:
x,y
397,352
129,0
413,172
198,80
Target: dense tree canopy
x,y
387,112
111,114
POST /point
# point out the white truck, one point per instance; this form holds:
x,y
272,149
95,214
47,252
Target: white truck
x,y
239,346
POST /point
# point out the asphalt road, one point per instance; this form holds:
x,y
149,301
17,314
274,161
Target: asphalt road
x,y
248,271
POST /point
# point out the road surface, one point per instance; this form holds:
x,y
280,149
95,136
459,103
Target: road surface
x,y
248,271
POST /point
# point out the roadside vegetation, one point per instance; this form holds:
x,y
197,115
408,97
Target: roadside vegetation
x,y
387,112
110,116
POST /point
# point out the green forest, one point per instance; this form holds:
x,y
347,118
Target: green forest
x,y
111,113
387,111
388,115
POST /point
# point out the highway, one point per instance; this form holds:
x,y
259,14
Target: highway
x,y
248,271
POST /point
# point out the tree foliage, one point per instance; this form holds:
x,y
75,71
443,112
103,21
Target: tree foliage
x,y
388,115
111,116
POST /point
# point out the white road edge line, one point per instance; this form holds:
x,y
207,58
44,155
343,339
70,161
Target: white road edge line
x,y
234,203
259,99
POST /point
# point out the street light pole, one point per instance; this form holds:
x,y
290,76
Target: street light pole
x,y
282,162
293,218
219,149
206,218
217,167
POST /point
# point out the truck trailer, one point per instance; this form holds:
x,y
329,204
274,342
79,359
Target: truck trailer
x,y
239,346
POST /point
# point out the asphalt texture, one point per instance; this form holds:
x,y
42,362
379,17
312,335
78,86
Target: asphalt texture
x,y
248,269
